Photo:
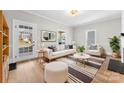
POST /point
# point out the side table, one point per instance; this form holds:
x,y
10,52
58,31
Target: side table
x,y
40,56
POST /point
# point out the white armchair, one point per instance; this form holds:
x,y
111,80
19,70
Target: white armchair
x,y
95,50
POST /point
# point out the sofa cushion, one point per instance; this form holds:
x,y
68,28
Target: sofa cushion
x,y
60,47
62,53
95,51
58,53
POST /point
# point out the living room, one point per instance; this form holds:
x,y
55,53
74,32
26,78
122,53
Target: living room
x,y
76,43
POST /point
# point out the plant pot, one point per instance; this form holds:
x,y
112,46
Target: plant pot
x,y
115,54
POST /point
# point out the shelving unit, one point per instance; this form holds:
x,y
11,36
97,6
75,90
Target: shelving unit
x,y
4,49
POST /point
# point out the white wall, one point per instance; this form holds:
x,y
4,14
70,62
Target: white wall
x,y
42,24
104,30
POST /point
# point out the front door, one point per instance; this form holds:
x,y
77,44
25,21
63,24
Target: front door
x,y
24,40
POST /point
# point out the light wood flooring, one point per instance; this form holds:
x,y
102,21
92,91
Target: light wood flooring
x,y
27,72
107,76
32,72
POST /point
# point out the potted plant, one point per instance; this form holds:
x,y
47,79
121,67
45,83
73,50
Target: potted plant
x,y
115,46
80,49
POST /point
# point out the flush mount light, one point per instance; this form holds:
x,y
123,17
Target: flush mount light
x,y
73,12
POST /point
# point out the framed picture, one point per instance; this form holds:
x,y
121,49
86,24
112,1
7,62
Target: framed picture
x,y
48,36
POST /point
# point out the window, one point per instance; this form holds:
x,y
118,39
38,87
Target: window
x,y
91,37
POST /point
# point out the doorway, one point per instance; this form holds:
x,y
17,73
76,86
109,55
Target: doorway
x,y
24,40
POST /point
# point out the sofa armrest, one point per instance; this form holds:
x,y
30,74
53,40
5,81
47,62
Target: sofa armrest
x,y
48,51
99,48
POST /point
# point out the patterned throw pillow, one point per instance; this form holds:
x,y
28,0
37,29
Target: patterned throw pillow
x,y
53,48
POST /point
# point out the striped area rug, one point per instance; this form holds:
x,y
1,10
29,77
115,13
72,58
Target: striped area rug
x,y
80,74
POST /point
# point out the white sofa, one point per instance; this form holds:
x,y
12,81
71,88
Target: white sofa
x,y
53,55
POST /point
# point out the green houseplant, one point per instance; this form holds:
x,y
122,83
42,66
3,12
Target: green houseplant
x,y
80,49
115,46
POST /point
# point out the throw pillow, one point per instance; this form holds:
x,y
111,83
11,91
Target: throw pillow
x,y
54,49
66,47
49,47
93,47
70,46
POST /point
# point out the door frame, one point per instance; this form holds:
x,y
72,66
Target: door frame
x,y
15,48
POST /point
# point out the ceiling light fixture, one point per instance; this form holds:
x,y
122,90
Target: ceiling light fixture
x,y
73,12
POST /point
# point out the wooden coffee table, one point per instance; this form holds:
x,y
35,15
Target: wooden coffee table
x,y
83,57
40,55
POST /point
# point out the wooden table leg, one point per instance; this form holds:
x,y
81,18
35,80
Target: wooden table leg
x,y
38,58
84,63
76,61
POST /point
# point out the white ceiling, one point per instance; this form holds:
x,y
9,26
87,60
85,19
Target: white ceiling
x,y
83,17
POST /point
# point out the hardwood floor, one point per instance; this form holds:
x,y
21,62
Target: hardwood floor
x,y
27,72
32,72
107,76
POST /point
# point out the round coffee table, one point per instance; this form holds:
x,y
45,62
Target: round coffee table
x,y
83,57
